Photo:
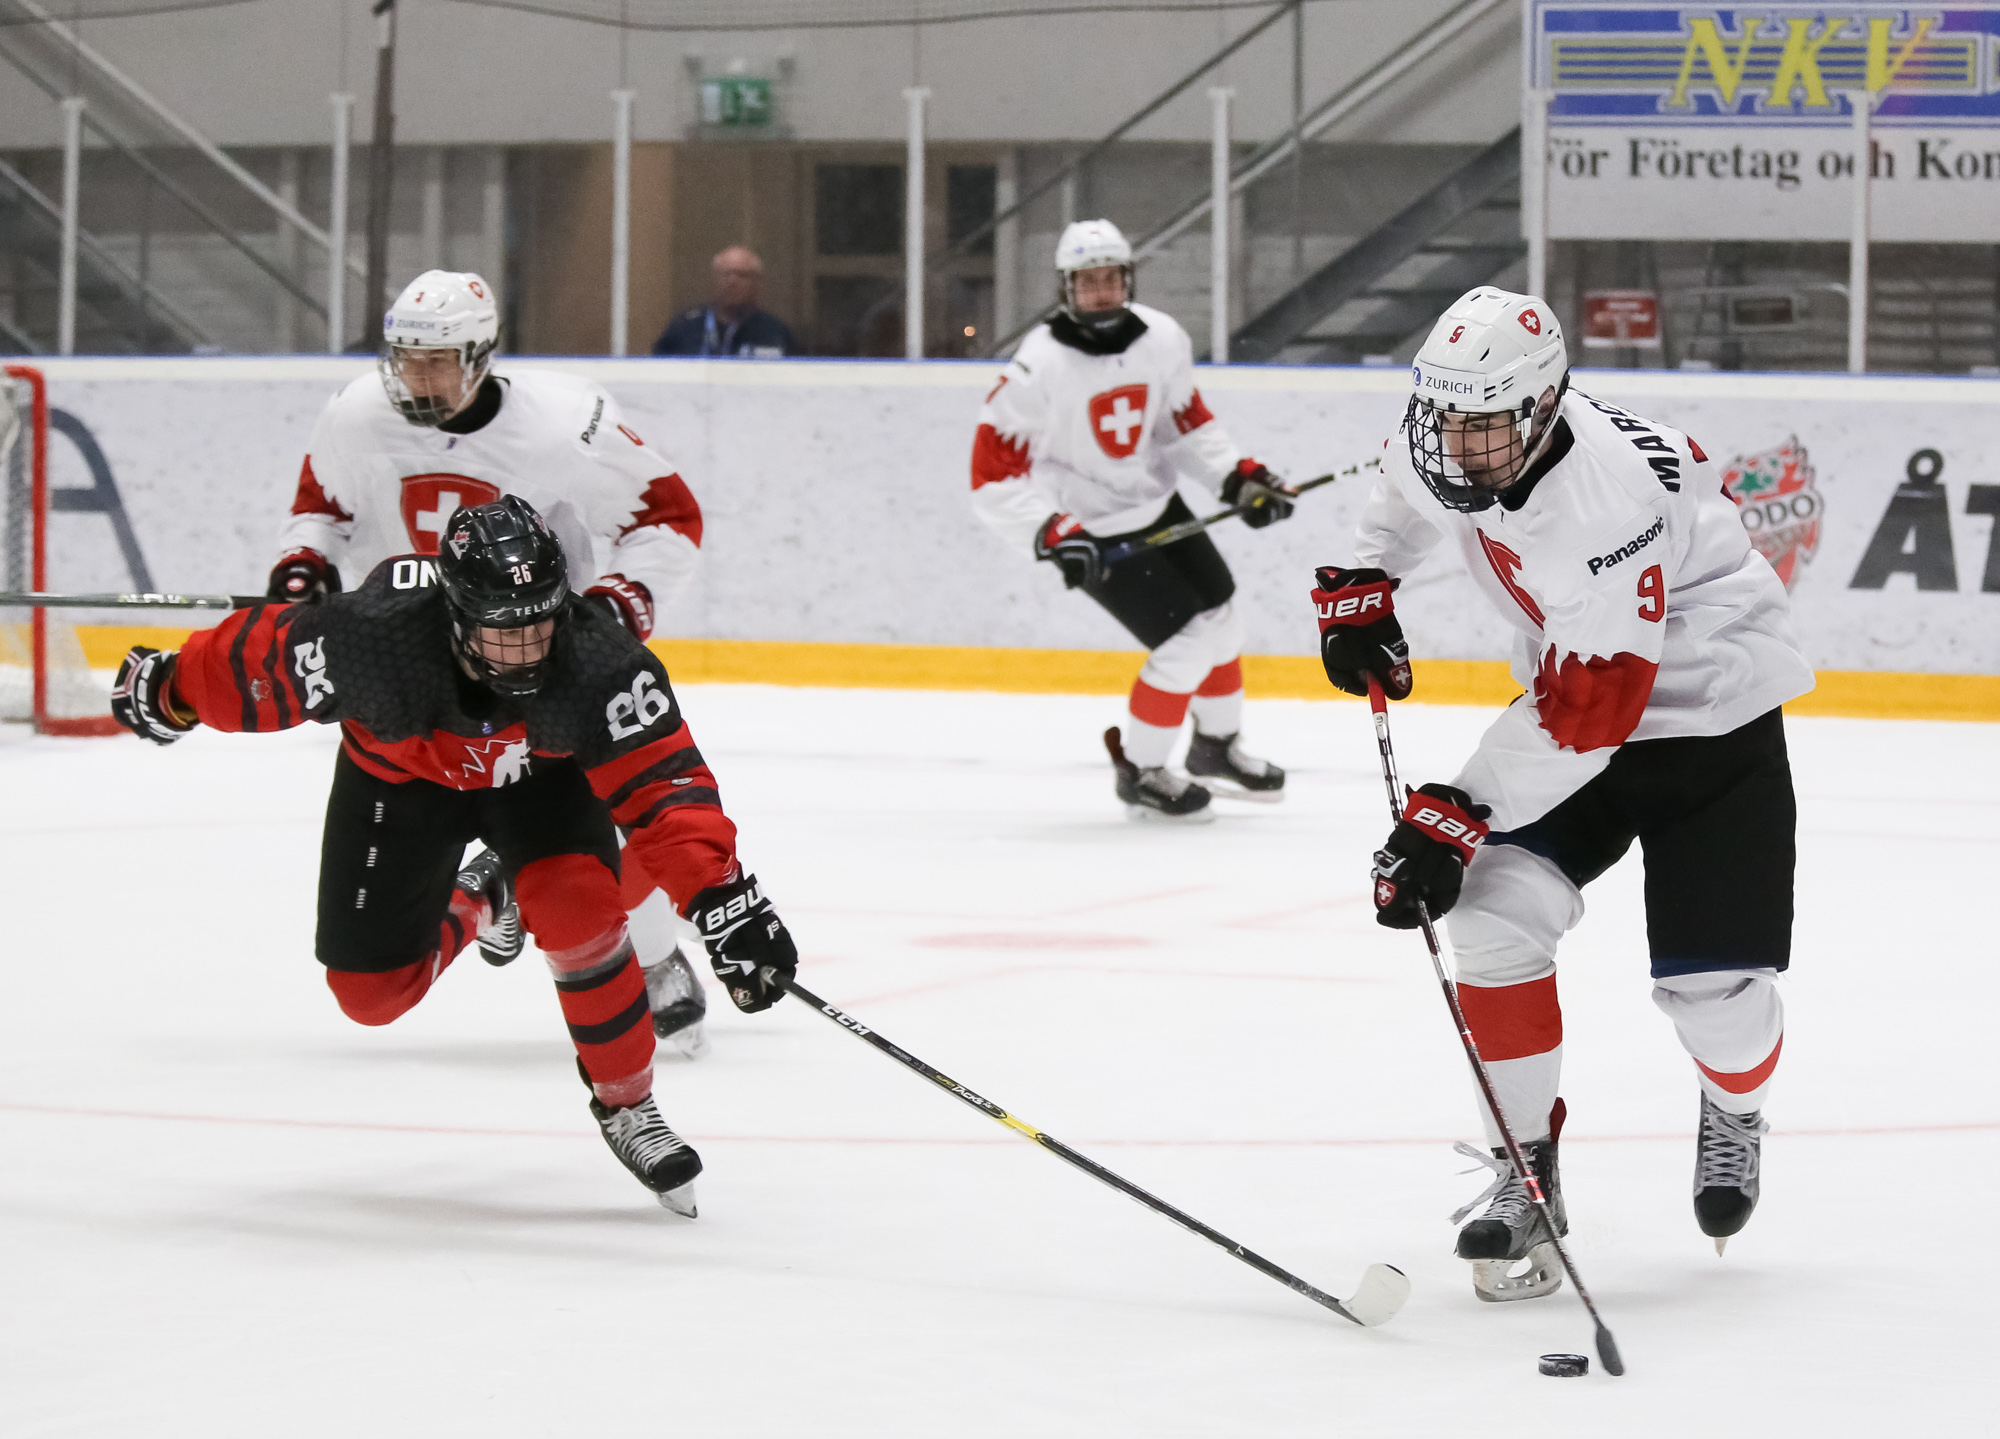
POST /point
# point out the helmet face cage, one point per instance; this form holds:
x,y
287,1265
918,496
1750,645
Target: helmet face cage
x,y
474,359
1093,319
509,661
1494,445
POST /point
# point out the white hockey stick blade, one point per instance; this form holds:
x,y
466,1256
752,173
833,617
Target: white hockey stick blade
x,y
1383,1290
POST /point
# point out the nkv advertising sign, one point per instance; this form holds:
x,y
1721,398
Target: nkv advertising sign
x,y
1703,123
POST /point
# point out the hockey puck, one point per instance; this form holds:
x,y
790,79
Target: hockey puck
x,y
1565,1366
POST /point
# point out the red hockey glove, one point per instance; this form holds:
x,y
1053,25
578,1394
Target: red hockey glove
x,y
302,577
142,699
1359,634
630,603
749,947
1426,854
1257,492
1062,540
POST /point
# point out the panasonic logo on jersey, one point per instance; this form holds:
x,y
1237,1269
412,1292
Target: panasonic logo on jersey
x,y
1630,548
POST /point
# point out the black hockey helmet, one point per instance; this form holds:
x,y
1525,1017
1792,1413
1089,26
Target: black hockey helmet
x,y
502,569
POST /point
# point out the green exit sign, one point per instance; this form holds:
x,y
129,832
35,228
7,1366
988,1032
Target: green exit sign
x,y
741,100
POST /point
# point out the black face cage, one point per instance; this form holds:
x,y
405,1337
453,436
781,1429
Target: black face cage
x,y
1094,319
515,665
428,410
1488,451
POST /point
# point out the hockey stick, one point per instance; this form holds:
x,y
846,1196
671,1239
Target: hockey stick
x,y
1607,1347
1186,529
1383,1287
34,600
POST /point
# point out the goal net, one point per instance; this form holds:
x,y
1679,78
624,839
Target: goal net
x,y
47,676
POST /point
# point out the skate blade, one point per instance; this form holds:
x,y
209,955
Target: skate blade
x,y
1539,1273
1146,814
690,1041
1721,1243
1223,789
679,1201
1384,1288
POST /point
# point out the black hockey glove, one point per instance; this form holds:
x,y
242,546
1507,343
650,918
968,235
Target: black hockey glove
x,y
302,577
1061,539
629,602
1257,492
1358,631
140,700
749,947
1426,854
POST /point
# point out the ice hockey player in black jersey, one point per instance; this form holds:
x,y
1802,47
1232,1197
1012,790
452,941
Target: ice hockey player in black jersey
x,y
480,699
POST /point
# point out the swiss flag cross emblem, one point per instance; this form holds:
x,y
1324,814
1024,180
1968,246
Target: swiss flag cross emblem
x,y
428,502
1531,322
1118,419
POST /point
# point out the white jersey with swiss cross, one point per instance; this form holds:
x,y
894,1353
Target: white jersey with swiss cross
x,y
1106,438
374,485
1641,609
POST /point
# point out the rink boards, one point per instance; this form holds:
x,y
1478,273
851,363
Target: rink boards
x,y
840,548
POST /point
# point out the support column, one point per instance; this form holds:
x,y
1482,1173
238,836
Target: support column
x,y
72,119
1006,245
493,217
432,240
286,330
913,227
1218,227
621,219
336,228
1857,239
1535,188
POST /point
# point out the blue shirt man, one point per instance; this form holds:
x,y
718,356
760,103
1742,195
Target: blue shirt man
x,y
730,324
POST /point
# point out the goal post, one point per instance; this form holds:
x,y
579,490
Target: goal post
x,y
45,676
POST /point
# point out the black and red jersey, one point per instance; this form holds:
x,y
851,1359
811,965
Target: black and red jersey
x,y
379,662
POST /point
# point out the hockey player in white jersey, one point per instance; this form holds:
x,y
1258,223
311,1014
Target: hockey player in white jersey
x,y
392,457
1655,646
1082,446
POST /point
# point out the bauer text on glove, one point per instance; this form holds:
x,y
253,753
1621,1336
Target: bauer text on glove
x,y
1424,859
142,696
749,947
1359,634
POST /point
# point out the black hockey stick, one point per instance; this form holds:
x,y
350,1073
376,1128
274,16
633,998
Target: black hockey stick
x,y
1186,529
1607,1347
37,600
1383,1287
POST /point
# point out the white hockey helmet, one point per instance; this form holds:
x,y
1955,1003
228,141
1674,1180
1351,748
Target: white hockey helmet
x,y
1091,245
440,310
1492,353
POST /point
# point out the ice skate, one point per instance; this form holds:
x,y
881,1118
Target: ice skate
x,y
658,1158
1156,794
1512,1257
674,991
1244,776
1728,1164
500,938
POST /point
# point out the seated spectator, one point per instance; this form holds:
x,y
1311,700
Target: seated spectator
x,y
730,324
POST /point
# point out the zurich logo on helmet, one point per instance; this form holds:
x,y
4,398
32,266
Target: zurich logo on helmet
x,y
388,321
1417,375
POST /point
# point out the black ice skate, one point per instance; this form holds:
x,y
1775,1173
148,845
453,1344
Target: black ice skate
x,y
1154,794
1728,1162
1509,1245
500,938
658,1158
1223,757
679,1006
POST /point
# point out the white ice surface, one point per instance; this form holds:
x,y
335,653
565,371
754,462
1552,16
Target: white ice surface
x,y
225,1210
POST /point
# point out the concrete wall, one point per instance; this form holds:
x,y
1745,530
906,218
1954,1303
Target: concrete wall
x,y
258,73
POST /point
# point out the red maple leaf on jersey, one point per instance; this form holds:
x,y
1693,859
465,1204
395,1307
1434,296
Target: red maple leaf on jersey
x,y
1118,419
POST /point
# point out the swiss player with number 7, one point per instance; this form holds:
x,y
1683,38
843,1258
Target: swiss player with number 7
x,y
1655,646
480,699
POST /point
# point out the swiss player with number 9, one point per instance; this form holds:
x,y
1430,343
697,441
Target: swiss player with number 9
x,y
1656,648
479,699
